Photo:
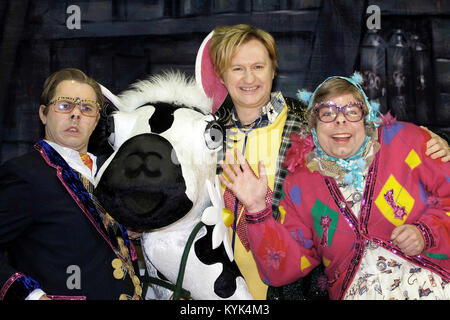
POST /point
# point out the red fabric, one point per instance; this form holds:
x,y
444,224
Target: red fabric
x,y
275,246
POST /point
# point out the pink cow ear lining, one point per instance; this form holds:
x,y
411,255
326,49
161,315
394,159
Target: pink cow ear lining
x,y
206,77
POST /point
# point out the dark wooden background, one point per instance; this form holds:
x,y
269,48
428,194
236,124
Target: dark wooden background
x,y
121,41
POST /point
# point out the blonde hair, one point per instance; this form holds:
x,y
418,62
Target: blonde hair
x,y
67,74
332,88
226,40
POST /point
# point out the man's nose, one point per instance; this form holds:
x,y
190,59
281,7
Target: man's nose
x,y
76,112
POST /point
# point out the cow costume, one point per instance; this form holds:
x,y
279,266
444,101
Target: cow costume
x,y
161,178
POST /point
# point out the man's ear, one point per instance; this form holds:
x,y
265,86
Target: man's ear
x,y
42,116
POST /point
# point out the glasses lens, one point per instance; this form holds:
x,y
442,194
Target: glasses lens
x,y
327,112
87,107
88,110
353,112
64,106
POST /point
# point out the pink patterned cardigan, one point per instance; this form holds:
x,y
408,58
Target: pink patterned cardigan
x,y
403,186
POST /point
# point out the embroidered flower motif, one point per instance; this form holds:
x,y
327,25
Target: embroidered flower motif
x,y
296,155
322,282
325,224
218,216
399,212
274,255
274,258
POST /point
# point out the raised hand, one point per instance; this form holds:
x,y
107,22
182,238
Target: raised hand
x,y
242,181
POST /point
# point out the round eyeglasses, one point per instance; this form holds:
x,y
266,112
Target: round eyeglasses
x,y
88,108
328,111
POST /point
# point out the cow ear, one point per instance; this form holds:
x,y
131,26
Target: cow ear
x,y
206,77
98,142
112,102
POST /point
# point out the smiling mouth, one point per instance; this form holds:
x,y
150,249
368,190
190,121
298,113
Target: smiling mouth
x,y
341,137
249,89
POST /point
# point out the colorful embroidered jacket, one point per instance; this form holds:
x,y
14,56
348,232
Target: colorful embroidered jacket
x,y
403,186
56,236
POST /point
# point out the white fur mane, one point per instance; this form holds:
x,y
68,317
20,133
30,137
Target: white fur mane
x,y
171,87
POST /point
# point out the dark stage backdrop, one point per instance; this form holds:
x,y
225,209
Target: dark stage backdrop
x,y
406,59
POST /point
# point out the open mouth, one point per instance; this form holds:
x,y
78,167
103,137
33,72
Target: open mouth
x,y
344,137
72,130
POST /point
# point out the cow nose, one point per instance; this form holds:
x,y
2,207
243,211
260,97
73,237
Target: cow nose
x,y
148,159
146,163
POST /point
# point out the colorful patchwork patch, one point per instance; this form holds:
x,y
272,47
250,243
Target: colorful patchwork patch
x,y
295,194
325,221
413,159
282,213
301,240
436,256
394,202
304,263
274,256
422,192
391,131
326,262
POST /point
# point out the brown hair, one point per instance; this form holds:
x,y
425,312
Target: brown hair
x,y
226,39
67,74
332,88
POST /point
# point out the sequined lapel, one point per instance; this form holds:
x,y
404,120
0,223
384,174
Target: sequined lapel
x,y
69,178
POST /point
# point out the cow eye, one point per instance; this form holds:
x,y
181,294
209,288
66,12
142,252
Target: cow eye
x,y
213,136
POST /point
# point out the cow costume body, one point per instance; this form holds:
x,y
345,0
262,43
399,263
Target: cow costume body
x,y
161,178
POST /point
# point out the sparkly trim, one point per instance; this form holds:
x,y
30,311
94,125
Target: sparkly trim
x,y
66,297
369,189
8,284
353,223
258,216
426,235
420,260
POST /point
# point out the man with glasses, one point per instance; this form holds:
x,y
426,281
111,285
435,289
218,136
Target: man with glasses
x,y
56,240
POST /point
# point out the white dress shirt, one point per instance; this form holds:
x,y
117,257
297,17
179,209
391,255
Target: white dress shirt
x,y
73,159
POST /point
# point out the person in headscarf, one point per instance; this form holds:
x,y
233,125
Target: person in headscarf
x,y
362,197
